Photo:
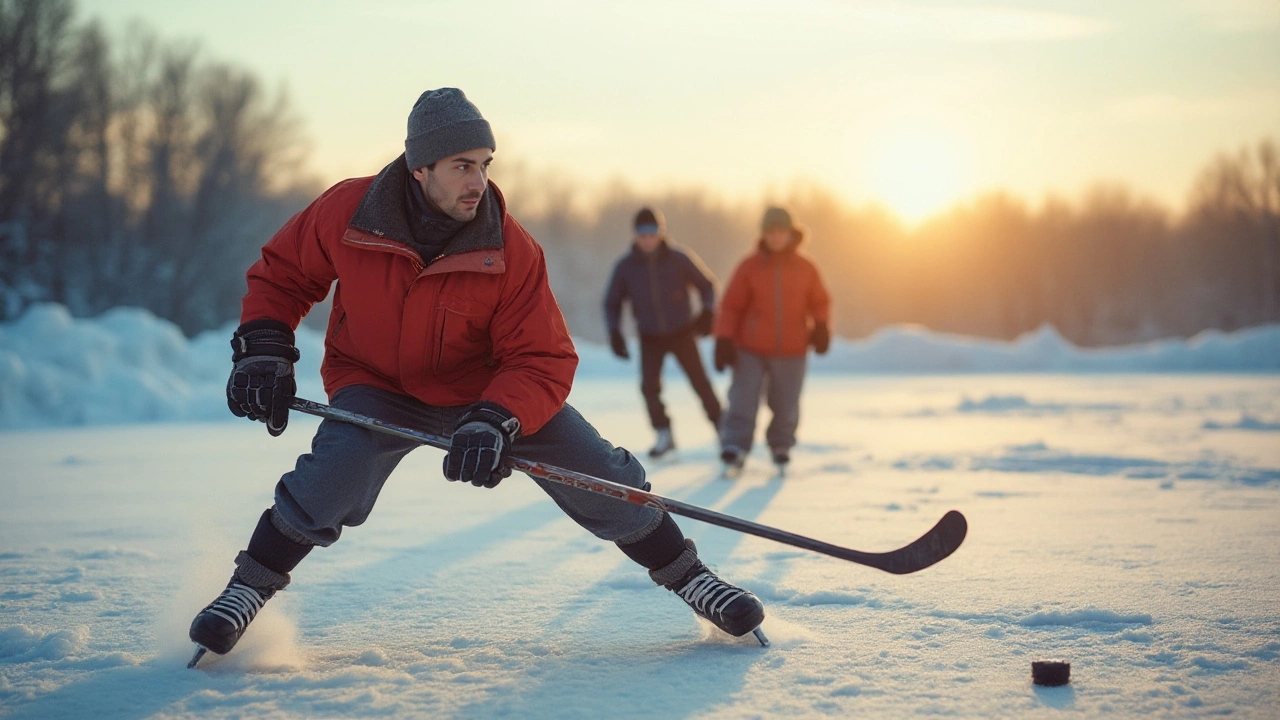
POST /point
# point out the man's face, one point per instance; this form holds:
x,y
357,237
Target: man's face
x,y
777,239
648,242
458,182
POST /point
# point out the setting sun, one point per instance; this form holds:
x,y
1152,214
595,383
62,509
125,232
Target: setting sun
x,y
916,172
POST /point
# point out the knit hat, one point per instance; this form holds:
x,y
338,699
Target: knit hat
x,y
651,220
442,123
776,217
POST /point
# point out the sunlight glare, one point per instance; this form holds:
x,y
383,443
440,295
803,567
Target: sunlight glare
x,y
916,173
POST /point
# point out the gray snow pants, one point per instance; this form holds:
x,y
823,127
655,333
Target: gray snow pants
x,y
337,483
779,380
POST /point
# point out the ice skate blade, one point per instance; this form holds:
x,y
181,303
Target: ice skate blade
x,y
764,641
200,651
731,472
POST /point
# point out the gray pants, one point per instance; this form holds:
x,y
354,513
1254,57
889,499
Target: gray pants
x,y
779,380
337,483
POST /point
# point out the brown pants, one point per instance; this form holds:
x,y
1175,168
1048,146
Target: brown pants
x,y
653,351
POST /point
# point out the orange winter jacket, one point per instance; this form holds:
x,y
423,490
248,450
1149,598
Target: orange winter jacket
x,y
772,301
478,322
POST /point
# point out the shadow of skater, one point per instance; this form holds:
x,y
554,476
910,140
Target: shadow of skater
x,y
622,674
123,693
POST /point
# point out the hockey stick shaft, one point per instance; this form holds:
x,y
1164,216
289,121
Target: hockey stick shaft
x,y
938,543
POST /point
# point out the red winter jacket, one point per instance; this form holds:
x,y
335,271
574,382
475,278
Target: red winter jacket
x,y
771,302
477,323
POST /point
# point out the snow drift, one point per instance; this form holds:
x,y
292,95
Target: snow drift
x,y
127,365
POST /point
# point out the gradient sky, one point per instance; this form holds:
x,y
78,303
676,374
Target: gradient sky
x,y
916,105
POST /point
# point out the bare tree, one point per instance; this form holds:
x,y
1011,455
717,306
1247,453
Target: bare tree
x,y
1245,187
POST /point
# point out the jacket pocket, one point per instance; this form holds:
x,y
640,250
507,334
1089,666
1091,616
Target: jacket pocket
x,y
462,341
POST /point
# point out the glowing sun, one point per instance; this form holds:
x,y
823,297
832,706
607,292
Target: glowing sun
x,y
916,172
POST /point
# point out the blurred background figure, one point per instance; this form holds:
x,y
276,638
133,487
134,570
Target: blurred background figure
x,y
655,276
776,306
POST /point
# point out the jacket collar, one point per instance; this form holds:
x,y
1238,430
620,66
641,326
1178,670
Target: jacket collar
x,y
797,239
381,221
660,252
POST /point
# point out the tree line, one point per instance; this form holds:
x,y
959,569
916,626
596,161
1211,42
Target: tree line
x,y
134,171
1110,268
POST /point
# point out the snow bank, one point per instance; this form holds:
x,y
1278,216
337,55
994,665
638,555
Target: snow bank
x,y
126,365
129,366
904,349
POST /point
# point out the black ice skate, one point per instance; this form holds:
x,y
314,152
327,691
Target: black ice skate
x,y
664,445
726,606
733,460
219,626
781,461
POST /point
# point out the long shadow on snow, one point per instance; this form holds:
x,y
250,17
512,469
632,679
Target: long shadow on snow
x,y
371,588
663,676
126,693
396,581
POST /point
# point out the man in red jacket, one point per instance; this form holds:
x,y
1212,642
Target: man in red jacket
x,y
442,319
775,307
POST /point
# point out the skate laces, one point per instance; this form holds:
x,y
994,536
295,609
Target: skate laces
x,y
708,594
238,605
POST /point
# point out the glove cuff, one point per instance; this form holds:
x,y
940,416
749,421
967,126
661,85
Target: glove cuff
x,y
263,337
495,415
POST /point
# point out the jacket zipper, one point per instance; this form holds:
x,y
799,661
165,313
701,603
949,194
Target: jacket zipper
x,y
653,292
777,301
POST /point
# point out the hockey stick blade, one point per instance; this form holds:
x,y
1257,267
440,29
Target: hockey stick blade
x,y
935,545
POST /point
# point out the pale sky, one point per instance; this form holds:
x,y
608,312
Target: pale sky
x,y
913,104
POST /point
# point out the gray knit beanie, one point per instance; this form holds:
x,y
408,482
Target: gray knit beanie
x,y
776,217
442,123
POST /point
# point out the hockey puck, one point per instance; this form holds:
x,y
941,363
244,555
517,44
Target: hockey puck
x,y
1050,673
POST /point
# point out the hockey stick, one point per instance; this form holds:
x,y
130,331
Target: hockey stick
x,y
935,545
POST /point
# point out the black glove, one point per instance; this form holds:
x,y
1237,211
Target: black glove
x,y
619,344
820,338
703,324
479,445
261,383
726,354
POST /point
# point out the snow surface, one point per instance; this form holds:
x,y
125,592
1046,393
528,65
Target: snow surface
x,y
1110,527
129,366
1126,523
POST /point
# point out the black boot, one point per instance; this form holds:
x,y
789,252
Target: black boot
x,y
219,626
725,605
261,571
673,563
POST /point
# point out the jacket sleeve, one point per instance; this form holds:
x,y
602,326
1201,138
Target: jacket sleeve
x,y
819,300
701,278
531,343
294,272
734,304
613,297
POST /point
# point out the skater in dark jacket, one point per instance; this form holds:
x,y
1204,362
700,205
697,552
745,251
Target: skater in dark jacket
x,y
775,308
442,319
656,277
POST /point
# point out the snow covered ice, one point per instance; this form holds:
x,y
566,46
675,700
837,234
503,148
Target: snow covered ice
x,y
1126,522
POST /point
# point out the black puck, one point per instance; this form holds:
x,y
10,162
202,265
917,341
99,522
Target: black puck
x,y
1050,673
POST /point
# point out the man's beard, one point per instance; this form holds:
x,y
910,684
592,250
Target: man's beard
x,y
452,206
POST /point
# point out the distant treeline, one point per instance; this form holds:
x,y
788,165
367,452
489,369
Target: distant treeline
x,y
1109,269
134,172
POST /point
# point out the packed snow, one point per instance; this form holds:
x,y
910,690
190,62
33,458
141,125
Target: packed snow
x,y
1124,522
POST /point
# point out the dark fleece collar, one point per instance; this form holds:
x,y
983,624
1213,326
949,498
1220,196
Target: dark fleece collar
x,y
384,211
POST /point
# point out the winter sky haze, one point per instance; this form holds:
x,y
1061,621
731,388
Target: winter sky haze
x,y
916,105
